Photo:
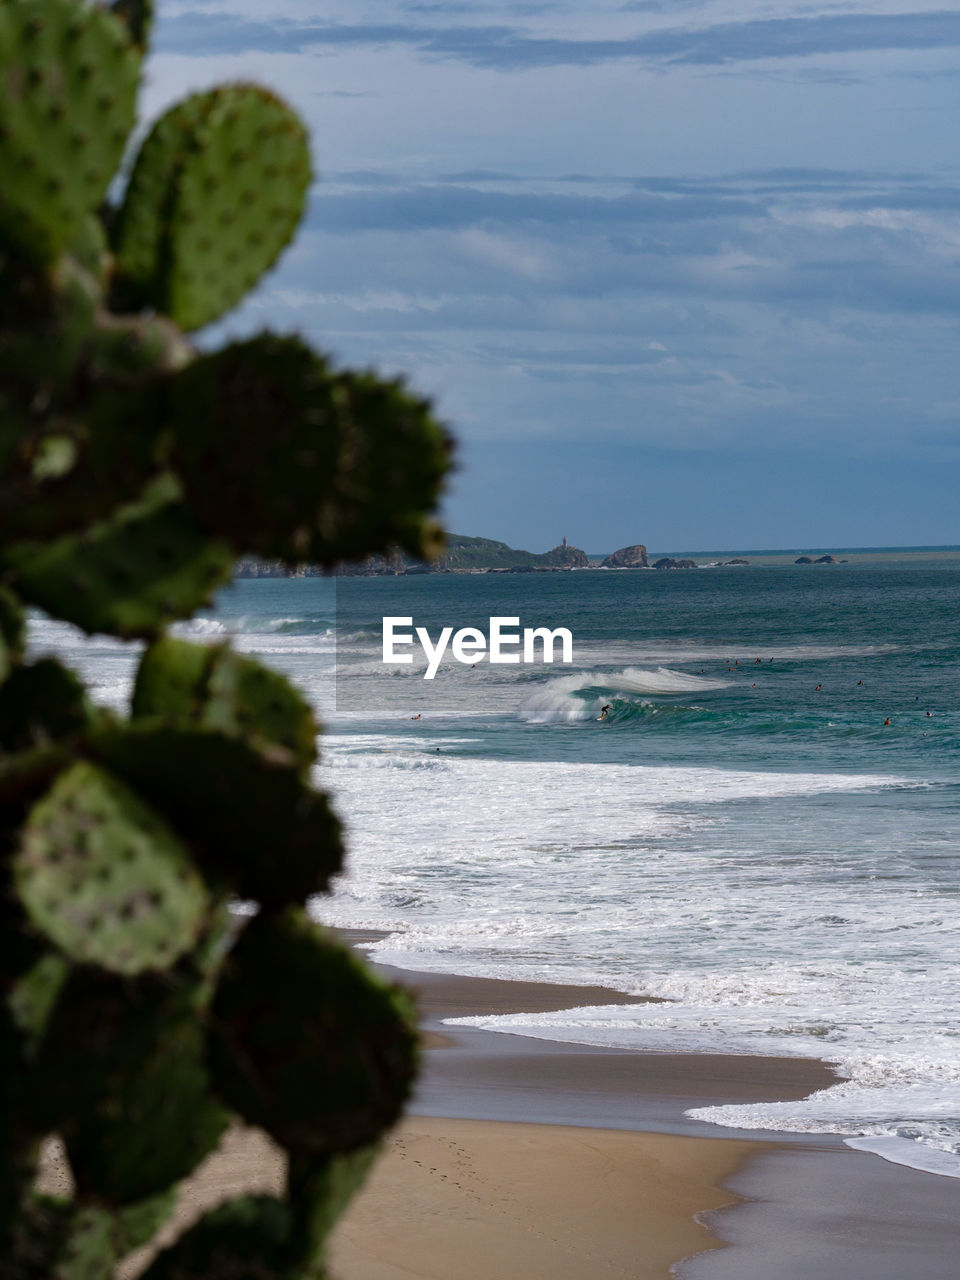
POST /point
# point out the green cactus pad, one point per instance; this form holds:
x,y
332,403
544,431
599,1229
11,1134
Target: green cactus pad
x,y
74,470
135,1224
33,997
215,195
323,1076
197,686
251,823
139,232
347,465
55,1239
129,576
138,15
12,631
244,1239
104,878
69,75
171,682
133,350
319,1189
24,778
41,704
46,319
90,249
135,1109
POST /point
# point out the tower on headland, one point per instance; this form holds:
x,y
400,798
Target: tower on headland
x,y
564,543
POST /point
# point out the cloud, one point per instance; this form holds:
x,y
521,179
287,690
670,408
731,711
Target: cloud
x,y
437,206
510,48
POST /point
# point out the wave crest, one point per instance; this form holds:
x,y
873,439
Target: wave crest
x,y
574,698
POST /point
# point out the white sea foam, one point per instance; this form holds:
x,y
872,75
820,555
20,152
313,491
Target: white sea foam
x,y
557,702
647,879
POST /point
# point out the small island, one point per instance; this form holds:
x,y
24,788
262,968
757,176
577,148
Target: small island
x,y
667,562
634,557
461,554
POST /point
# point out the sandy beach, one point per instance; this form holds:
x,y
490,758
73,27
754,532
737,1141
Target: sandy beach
x,y
487,1198
526,1158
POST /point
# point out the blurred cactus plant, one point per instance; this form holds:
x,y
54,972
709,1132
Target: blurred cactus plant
x,y
137,1017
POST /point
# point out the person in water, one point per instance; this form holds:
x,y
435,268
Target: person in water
x,y
603,712
887,721
418,716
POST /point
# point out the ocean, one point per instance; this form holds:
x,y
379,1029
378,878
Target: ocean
x,y
769,858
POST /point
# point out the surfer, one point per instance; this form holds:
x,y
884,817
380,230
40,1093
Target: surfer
x,y
818,688
604,712
418,716
859,682
887,721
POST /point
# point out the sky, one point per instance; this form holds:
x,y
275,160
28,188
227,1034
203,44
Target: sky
x,y
680,272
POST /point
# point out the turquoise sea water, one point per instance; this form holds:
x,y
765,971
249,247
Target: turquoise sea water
x,y
772,858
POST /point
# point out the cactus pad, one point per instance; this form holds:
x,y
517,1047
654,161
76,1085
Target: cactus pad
x,y
41,704
104,878
132,350
138,15
136,1007
74,471
244,1239
251,823
69,79
320,1188
130,575
34,995
24,778
346,465
135,1111
55,1239
324,1076
197,686
46,318
215,195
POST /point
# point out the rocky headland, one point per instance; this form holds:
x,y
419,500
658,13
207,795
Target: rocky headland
x,y
634,557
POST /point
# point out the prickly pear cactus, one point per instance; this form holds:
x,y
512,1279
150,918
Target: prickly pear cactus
x,y
138,1015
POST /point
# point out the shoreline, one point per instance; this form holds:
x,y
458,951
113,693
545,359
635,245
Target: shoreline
x,y
471,1073
794,1205
553,1161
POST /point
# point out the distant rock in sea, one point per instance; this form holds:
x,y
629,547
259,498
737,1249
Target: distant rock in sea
x,y
803,560
565,557
819,560
737,561
634,557
666,562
